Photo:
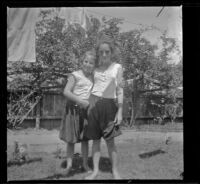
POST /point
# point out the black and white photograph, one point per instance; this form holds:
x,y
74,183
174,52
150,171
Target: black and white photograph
x,y
94,93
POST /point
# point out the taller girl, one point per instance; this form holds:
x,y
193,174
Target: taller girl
x,y
104,116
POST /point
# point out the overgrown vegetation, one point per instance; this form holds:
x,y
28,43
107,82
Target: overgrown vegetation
x,y
59,48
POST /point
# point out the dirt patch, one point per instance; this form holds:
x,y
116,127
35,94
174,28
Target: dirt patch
x,y
43,144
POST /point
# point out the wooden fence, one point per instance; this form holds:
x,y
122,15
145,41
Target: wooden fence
x,y
48,112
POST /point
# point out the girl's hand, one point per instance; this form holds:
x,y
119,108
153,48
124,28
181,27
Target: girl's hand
x,y
118,118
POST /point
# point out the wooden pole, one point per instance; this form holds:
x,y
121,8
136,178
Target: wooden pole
x,y
37,120
31,108
134,103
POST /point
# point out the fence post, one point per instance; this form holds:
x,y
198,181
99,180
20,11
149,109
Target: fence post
x,y
37,120
134,98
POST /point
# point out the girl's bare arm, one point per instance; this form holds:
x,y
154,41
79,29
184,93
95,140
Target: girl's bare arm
x,y
120,96
68,93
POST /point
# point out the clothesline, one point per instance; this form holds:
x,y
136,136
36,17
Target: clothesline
x,y
21,25
106,15
124,19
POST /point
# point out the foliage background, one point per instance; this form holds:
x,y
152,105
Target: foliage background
x,y
60,47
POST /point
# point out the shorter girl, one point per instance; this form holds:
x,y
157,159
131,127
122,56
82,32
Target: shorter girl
x,y
74,122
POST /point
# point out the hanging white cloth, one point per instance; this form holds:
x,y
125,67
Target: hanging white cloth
x,y
21,34
85,21
75,15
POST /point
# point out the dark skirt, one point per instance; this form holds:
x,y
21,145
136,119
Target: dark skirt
x,y
73,124
101,115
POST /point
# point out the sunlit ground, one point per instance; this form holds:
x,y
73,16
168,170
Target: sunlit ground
x,y
137,154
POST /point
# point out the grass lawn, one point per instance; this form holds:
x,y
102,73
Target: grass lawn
x,y
43,165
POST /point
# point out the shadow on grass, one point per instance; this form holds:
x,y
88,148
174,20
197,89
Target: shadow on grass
x,y
104,166
19,163
151,153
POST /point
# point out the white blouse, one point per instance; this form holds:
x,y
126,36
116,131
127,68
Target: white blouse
x,y
106,83
83,85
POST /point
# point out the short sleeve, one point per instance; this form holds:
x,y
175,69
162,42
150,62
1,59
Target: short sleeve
x,y
71,79
72,75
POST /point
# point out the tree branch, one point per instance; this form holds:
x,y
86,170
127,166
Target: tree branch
x,y
150,90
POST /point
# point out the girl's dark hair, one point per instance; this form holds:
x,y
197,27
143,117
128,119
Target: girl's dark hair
x,y
105,39
108,40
